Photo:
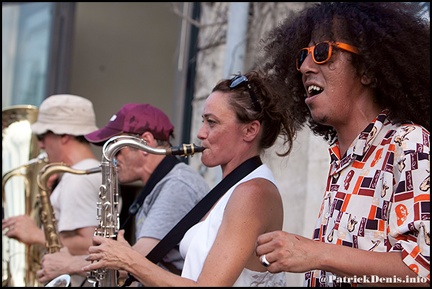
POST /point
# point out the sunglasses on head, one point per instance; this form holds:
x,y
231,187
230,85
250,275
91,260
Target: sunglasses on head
x,y
322,52
241,80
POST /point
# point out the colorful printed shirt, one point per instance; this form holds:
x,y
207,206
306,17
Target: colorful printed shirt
x,y
377,197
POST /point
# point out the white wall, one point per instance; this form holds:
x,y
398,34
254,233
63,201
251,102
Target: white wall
x,y
125,52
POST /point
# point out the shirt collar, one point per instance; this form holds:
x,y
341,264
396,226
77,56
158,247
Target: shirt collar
x,y
362,143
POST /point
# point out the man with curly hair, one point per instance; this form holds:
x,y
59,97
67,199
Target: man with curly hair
x,y
358,74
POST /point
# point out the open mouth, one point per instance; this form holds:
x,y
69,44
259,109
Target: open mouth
x,y
314,90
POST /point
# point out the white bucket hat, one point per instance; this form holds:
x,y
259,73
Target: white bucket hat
x,y
65,114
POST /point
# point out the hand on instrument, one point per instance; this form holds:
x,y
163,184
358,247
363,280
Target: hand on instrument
x,y
54,265
24,229
108,252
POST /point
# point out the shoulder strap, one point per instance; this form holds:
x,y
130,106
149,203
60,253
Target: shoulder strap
x,y
197,213
164,167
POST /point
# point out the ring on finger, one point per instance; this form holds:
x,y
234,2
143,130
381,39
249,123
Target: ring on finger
x,y
264,261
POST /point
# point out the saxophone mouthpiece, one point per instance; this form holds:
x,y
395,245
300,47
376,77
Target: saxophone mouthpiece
x,y
185,150
42,157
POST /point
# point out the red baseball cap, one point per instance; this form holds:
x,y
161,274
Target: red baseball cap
x,y
134,118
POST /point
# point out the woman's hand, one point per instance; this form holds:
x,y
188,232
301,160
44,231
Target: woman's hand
x,y
109,253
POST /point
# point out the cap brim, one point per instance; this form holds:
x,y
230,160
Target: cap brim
x,y
100,136
61,128
39,128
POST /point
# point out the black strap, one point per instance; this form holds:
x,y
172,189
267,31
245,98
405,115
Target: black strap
x,y
164,167
197,213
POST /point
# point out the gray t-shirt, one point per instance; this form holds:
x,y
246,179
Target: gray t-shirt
x,y
169,201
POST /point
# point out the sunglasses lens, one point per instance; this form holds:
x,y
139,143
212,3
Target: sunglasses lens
x,y
41,137
238,80
301,56
321,52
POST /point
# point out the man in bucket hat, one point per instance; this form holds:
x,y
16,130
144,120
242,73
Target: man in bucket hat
x,y
177,187
62,122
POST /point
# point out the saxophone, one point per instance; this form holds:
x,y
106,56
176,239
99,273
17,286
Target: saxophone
x,y
47,215
107,207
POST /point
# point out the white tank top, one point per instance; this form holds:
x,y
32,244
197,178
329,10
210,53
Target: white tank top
x,y
198,240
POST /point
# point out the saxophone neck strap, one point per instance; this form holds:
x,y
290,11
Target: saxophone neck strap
x,y
197,213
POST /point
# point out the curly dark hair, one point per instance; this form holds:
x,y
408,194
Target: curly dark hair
x,y
275,119
394,45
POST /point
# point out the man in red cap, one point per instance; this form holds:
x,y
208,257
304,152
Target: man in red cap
x,y
175,187
135,119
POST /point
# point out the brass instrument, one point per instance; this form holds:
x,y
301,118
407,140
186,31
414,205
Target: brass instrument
x,y
47,215
107,207
21,157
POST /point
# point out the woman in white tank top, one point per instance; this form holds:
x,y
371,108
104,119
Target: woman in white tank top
x,y
242,117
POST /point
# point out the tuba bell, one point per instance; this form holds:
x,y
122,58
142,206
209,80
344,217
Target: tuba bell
x,y
21,157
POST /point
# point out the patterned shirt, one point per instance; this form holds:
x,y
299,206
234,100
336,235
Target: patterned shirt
x,y
377,197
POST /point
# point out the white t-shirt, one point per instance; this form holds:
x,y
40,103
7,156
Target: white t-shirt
x,y
75,198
